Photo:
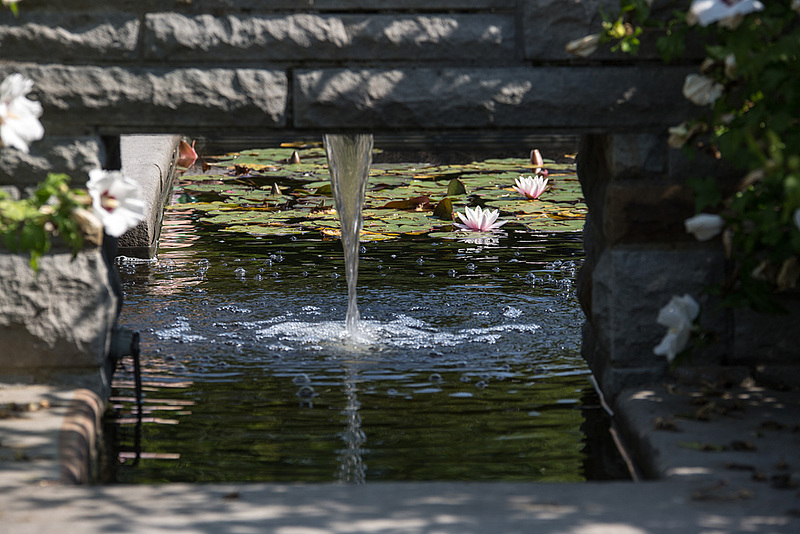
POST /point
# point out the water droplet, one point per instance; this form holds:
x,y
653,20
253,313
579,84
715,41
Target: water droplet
x,y
465,379
420,261
470,267
451,273
496,269
334,275
257,278
301,380
293,238
363,250
435,377
482,384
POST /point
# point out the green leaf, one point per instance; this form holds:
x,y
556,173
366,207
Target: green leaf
x,y
456,188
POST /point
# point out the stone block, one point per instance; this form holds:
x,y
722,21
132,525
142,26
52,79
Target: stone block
x,y
261,6
74,156
762,338
607,98
152,100
631,283
58,319
636,156
475,38
643,212
150,160
68,36
548,25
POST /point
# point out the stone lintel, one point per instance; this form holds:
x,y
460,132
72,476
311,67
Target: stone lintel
x,y
559,98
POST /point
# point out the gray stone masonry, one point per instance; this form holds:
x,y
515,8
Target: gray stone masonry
x,y
413,67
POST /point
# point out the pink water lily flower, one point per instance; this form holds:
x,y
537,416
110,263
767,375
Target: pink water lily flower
x,y
479,220
531,187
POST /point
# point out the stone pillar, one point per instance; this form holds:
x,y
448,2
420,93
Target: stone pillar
x,y
638,255
55,324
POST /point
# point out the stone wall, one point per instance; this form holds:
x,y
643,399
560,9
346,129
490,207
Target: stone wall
x,y
411,67
225,67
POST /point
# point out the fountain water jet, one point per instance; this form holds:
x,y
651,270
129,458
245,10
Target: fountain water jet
x,y
349,159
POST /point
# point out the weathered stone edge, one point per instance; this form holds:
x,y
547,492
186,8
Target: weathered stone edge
x,y
79,438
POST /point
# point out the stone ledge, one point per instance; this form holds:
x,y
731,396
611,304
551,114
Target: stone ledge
x,y
150,161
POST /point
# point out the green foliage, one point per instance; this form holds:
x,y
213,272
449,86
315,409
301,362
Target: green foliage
x,y
753,127
28,225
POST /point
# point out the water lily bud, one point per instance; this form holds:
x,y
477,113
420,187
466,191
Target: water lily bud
x,y
704,226
295,159
701,90
585,46
89,224
536,158
186,154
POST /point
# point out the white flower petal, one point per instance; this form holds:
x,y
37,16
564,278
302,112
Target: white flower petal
x,y
701,90
113,188
707,12
704,226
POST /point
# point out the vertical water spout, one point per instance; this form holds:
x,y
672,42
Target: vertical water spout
x,y
349,159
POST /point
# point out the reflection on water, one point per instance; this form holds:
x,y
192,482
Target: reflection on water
x,y
469,368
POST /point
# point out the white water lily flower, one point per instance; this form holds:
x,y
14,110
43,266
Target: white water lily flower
x,y
701,90
479,220
705,12
678,316
115,199
531,187
19,116
585,46
704,226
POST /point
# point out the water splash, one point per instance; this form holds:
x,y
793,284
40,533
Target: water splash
x,y
349,159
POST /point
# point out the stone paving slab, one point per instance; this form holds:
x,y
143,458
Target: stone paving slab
x,y
726,488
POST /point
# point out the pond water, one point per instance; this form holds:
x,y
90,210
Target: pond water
x,y
469,365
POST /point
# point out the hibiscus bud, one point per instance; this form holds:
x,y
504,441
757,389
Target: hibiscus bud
x,y
730,66
704,226
585,46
